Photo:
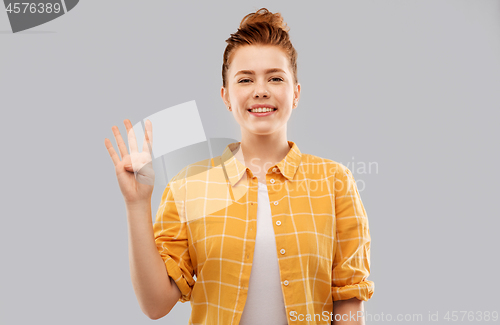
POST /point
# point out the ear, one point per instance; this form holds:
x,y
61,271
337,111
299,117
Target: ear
x,y
296,95
225,96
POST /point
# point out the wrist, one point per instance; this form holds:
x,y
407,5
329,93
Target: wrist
x,y
138,205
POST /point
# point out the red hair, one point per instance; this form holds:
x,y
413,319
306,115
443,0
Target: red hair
x,y
260,28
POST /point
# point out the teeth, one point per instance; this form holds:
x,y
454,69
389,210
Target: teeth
x,y
261,110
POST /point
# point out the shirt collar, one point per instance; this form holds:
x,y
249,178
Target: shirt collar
x,y
235,169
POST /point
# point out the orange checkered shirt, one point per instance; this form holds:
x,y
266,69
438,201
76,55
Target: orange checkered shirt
x,y
206,226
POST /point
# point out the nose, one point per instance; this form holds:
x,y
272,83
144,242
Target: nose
x,y
260,90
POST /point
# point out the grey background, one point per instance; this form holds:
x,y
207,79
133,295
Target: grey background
x,y
410,85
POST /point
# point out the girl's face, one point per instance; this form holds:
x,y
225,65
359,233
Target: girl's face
x,y
259,76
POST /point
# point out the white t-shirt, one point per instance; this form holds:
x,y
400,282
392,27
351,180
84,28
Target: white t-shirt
x,y
264,304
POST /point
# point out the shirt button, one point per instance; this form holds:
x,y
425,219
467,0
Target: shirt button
x,y
282,251
285,282
278,222
275,169
272,181
275,202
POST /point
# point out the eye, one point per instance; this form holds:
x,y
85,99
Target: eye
x,y
241,81
279,79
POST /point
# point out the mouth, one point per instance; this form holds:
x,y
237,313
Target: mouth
x,y
262,112
266,110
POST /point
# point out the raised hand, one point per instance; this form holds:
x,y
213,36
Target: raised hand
x,y
134,171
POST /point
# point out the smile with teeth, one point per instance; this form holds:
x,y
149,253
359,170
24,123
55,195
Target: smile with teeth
x,y
261,110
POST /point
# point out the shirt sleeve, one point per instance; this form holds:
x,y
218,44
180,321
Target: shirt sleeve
x,y
351,264
172,242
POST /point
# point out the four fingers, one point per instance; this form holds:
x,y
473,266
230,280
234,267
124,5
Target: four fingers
x,y
148,141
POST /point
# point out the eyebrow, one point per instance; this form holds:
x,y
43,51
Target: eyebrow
x,y
253,72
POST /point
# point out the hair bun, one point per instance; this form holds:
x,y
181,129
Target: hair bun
x,y
260,28
264,16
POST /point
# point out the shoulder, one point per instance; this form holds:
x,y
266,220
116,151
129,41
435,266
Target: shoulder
x,y
200,172
195,168
324,165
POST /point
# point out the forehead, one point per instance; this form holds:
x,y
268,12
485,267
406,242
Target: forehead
x,y
258,58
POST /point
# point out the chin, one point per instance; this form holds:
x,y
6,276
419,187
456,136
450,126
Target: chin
x,y
263,131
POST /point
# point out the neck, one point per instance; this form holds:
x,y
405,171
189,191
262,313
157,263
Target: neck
x,y
260,152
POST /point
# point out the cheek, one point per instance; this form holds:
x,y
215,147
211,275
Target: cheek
x,y
286,95
240,94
